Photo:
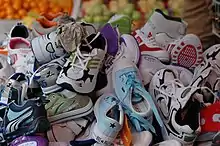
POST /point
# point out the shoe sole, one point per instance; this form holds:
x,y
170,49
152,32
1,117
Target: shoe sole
x,y
185,54
74,114
40,125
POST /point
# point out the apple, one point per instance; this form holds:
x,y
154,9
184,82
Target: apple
x,y
136,15
128,9
88,19
98,19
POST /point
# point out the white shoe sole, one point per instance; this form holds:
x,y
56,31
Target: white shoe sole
x,y
70,115
51,89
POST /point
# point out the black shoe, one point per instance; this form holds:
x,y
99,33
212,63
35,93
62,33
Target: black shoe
x,y
216,140
26,119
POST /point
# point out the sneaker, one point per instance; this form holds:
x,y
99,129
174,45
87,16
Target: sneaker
x,y
5,69
67,131
21,56
29,141
19,30
149,65
47,47
186,51
128,48
46,75
179,106
136,101
149,46
70,35
169,143
159,22
143,138
123,23
216,140
80,72
25,119
67,106
110,119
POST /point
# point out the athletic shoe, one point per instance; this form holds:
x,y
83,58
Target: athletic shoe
x,y
169,143
80,72
148,45
110,118
179,106
67,131
149,65
5,69
143,138
70,35
186,51
67,106
47,47
128,48
159,22
19,30
136,101
46,75
25,119
21,56
29,141
123,23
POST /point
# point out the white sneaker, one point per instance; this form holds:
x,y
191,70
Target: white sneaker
x,y
149,65
186,51
47,47
5,69
21,56
47,74
160,23
179,106
80,72
149,46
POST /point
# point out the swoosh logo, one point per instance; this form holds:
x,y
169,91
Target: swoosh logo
x,y
17,114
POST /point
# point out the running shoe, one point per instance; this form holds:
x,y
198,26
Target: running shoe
x,y
25,119
47,47
169,143
173,27
46,75
186,51
149,65
179,106
80,72
66,105
136,101
110,118
21,56
29,141
5,69
149,46
216,140
70,35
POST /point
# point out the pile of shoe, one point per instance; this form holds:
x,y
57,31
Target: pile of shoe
x,y
67,83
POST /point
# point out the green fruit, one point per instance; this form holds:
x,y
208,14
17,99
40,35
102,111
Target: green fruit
x,y
107,13
97,10
129,8
106,18
136,15
88,19
97,19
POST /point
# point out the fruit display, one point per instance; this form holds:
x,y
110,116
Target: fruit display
x,y
18,9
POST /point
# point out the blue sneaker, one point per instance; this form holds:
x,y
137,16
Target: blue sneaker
x,y
136,101
110,119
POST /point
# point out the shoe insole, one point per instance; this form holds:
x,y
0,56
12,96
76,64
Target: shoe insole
x,y
141,107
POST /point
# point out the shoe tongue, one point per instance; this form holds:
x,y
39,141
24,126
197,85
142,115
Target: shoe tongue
x,y
111,36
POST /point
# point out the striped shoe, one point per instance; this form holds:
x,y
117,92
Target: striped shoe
x,y
80,72
187,51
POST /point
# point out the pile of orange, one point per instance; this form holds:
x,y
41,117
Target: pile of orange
x,y
18,9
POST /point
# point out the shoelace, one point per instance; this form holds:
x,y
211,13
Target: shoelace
x,y
136,86
83,59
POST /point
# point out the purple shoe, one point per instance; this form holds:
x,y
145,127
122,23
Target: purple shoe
x,y
29,141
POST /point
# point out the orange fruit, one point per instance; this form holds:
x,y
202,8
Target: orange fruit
x,y
9,16
16,16
56,9
26,5
36,10
33,4
2,14
43,7
17,4
10,11
22,12
7,1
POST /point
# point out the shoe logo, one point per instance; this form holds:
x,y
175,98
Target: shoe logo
x,y
86,75
49,74
149,35
216,118
18,118
112,125
213,54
